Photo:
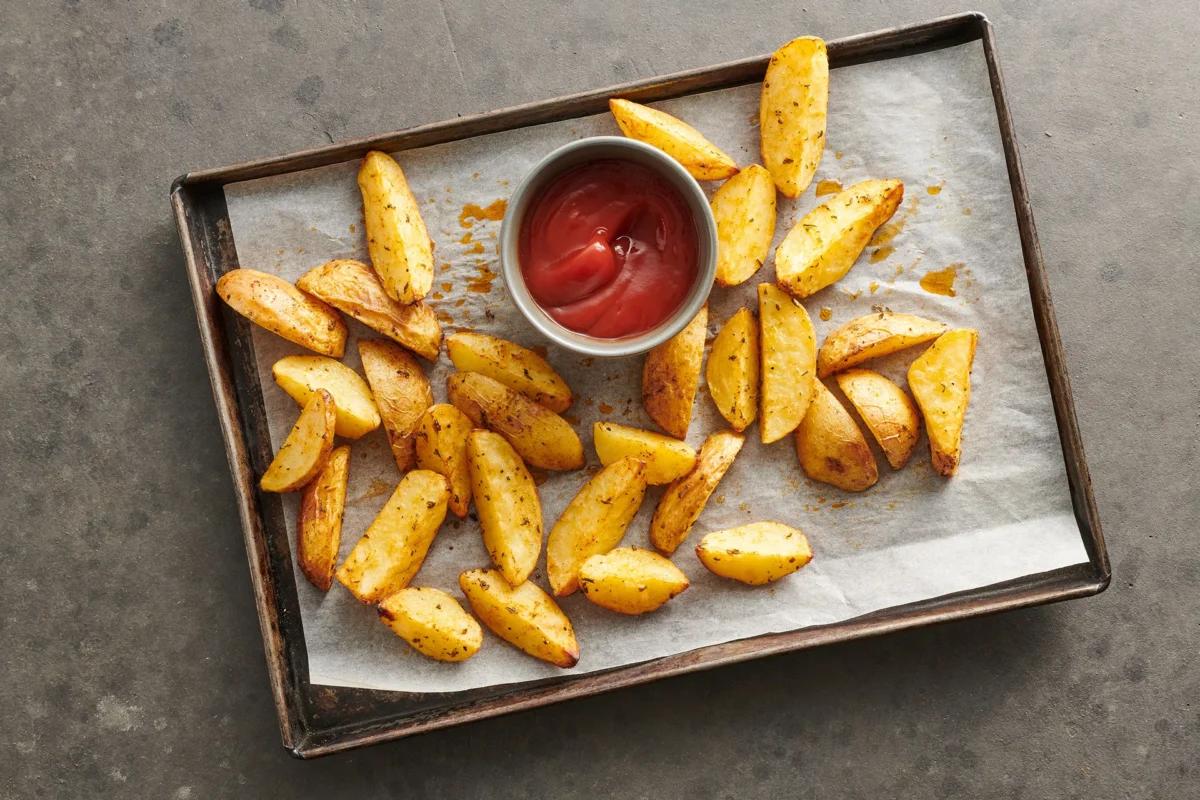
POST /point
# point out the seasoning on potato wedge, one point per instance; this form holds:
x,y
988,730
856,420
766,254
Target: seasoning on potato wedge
x,y
506,498
940,380
524,616
754,554
630,580
517,367
666,458
319,530
733,368
401,391
886,410
399,244
700,157
871,336
304,452
744,210
671,375
830,446
792,110
681,504
441,445
824,244
433,623
389,554
272,303
300,376
788,368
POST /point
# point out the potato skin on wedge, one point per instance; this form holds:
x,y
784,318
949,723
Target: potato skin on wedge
x,y
873,335
666,458
399,244
940,380
792,111
831,448
683,501
754,554
524,616
272,303
506,498
630,580
744,210
517,367
700,157
319,528
433,623
441,445
788,365
732,370
886,410
300,376
671,376
402,393
304,452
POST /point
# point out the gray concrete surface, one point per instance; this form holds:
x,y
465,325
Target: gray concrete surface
x,y
131,661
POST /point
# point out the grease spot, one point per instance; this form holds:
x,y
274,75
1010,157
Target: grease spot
x,y
169,33
941,281
605,408
935,189
880,253
828,186
309,90
492,211
826,313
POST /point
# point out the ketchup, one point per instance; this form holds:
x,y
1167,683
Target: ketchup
x,y
609,249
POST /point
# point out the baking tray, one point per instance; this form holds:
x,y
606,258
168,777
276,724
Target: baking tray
x,y
316,720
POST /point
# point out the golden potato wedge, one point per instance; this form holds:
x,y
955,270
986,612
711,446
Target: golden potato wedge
x,y
744,210
789,362
401,391
791,116
700,157
507,501
886,410
524,616
666,458
516,367
630,580
671,375
732,369
319,529
304,452
872,336
389,554
441,445
830,446
352,288
824,244
272,303
400,247
300,376
433,623
594,521
542,438
682,502
754,554
940,380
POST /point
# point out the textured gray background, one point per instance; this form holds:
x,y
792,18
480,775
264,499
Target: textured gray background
x,y
132,664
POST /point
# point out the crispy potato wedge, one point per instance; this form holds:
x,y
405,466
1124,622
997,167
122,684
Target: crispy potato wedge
x,y
789,362
441,445
272,303
754,554
516,367
507,501
400,247
630,580
700,157
304,452
682,502
542,438
433,623
389,554
886,410
791,116
940,380
524,616
666,458
319,529
830,446
872,336
353,288
744,210
824,244
671,375
300,376
733,368
594,521
401,391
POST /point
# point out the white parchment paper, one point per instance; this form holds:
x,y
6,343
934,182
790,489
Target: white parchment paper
x,y
927,119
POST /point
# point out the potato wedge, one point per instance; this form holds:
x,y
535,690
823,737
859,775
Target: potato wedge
x,y
682,502
594,521
830,446
433,623
304,452
272,303
872,336
940,380
789,362
441,445
389,554
353,288
300,376
824,244
401,391
754,554
700,157
630,580
666,458
744,210
516,367
506,498
791,116
886,410
400,247
319,529
733,368
542,438
524,616
671,375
